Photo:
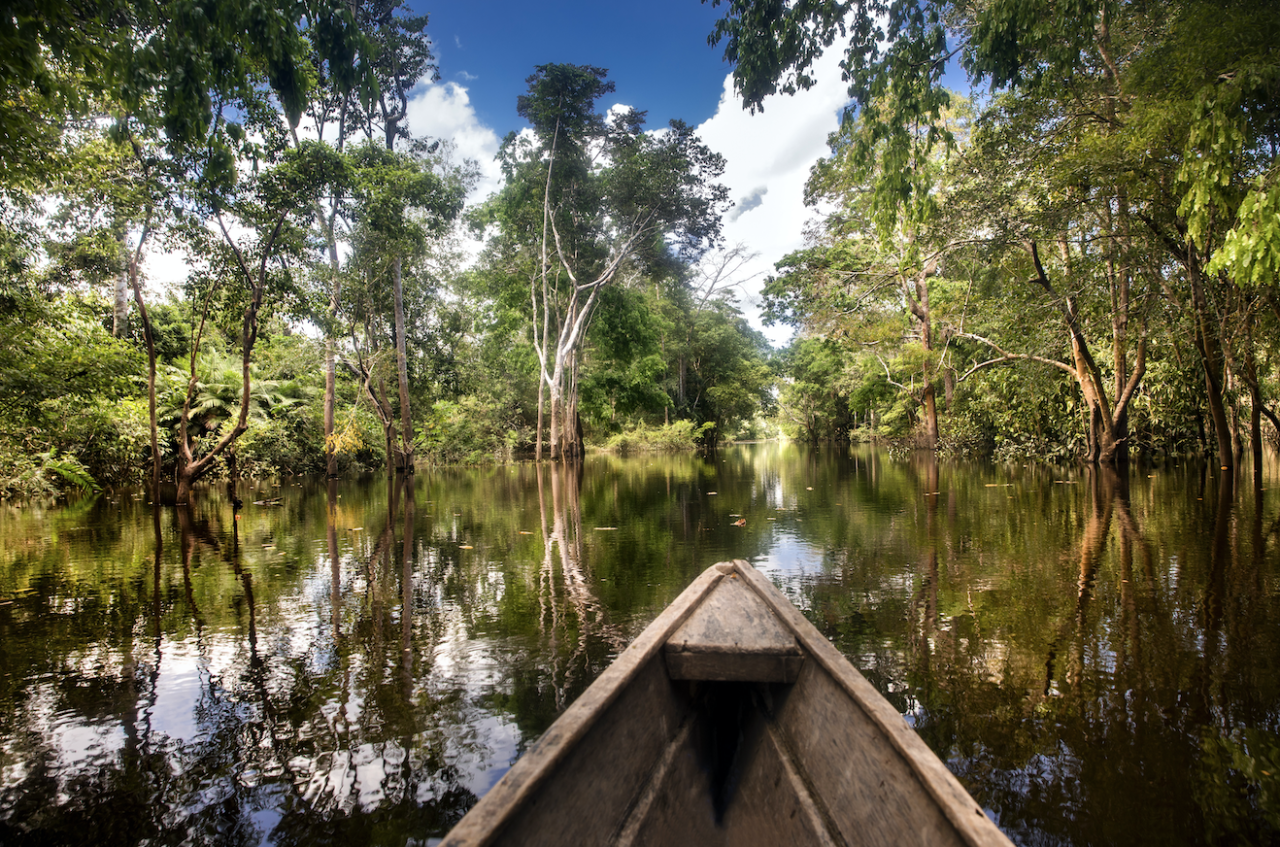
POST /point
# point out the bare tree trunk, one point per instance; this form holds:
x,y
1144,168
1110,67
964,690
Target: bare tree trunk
x,y
918,301
402,370
930,401
555,436
542,399
330,355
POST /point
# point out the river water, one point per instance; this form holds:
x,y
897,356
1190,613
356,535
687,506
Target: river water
x,y
1097,658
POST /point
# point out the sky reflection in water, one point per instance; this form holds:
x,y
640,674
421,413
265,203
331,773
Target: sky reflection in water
x,y
1095,658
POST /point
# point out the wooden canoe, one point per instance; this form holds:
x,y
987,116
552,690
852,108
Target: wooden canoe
x,y
730,720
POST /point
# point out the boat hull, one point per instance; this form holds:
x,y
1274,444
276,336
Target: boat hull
x,y
717,726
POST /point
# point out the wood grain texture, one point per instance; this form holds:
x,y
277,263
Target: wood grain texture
x,y
489,821
824,760
773,804
860,704
733,636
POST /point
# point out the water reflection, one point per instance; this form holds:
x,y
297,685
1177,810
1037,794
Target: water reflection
x,y
1094,655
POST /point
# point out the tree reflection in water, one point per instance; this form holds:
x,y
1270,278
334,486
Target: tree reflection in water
x,y
1096,656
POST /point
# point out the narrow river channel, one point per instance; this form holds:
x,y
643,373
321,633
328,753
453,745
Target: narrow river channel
x,y
1097,658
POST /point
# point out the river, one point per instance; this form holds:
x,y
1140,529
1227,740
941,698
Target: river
x,y
1096,657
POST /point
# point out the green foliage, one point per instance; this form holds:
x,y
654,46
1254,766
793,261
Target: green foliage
x,y
1250,253
172,64
67,416
472,431
674,437
1027,412
43,474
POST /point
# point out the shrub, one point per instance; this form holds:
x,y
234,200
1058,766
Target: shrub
x,y
675,436
472,431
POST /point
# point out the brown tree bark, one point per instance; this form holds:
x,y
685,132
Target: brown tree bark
x,y
405,463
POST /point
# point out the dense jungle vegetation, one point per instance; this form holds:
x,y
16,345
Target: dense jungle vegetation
x,y
1078,261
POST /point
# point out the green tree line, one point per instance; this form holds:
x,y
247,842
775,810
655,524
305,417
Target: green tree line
x,y
329,320
1079,260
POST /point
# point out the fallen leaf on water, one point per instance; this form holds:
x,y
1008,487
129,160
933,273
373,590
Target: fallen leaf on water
x,y
740,522
465,547
525,532
606,528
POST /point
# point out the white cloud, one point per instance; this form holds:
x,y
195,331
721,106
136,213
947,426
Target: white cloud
x,y
767,160
444,111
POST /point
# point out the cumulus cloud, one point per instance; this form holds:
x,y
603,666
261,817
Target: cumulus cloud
x,y
444,111
767,160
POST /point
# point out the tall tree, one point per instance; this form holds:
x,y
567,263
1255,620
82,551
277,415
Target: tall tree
x,y
1169,108
402,202
401,59
263,221
584,199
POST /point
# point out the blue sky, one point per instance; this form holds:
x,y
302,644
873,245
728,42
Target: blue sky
x,y
655,50
657,55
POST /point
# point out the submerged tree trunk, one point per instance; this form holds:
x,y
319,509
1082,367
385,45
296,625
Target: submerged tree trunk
x,y
190,468
1212,359
918,300
148,335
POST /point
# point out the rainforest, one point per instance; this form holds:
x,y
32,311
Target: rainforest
x,y
1075,260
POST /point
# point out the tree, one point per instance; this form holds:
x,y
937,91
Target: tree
x,y
401,59
866,264
1160,120
401,202
585,198
272,211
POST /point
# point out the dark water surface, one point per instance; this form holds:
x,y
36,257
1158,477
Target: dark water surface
x,y
1096,658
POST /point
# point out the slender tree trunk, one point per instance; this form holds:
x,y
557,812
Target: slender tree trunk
x,y
930,401
330,355
542,399
1211,357
148,335
394,459
402,369
554,437
918,300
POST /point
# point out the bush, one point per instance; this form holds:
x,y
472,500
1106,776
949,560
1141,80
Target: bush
x,y
289,445
472,431
672,437
24,474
